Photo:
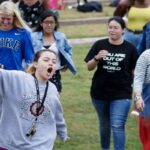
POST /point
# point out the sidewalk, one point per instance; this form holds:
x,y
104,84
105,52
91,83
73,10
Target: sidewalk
x,y
84,40
79,21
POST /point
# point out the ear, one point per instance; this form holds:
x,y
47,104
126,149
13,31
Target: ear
x,y
35,64
41,24
123,31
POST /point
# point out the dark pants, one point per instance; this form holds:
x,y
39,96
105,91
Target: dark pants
x,y
56,79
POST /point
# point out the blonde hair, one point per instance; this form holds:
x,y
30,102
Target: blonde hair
x,y
31,69
10,8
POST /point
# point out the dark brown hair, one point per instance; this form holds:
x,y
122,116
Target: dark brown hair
x,y
31,69
44,15
119,20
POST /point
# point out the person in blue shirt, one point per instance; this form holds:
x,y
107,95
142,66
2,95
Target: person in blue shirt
x,y
15,39
47,37
145,39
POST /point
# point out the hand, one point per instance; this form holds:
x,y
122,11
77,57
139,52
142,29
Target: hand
x,y
63,68
140,104
101,54
1,66
67,139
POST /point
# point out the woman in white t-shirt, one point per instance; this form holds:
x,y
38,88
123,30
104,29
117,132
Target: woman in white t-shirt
x,y
47,36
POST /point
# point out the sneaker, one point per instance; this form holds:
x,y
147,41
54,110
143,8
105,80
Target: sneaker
x,y
134,113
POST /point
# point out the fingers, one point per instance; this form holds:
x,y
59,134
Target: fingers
x,y
1,66
63,68
103,53
140,105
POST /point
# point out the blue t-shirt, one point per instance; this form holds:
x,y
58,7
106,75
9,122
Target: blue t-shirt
x,y
15,46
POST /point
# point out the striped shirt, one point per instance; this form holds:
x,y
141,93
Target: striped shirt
x,y
142,72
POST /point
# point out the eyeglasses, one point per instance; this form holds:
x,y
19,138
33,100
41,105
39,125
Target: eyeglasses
x,y
49,22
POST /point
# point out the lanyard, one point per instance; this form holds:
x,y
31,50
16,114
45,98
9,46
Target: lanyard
x,y
39,106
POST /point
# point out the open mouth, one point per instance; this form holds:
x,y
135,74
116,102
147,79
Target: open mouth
x,y
49,70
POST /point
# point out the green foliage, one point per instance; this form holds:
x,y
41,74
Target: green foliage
x,y
79,113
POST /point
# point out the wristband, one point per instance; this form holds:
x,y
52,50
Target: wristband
x,y
97,60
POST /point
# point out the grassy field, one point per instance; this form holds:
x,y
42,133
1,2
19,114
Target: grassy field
x,y
82,31
79,113
74,14
78,110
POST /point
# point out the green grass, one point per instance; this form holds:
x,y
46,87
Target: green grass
x,y
78,110
74,14
85,30
79,113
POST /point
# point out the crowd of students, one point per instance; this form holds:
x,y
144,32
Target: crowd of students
x,y
33,53
30,106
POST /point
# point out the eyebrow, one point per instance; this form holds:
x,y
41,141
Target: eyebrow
x,y
6,15
49,58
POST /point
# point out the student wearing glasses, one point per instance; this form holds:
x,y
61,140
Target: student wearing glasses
x,y
46,36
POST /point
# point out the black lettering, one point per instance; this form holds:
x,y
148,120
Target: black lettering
x,y
8,42
16,44
1,41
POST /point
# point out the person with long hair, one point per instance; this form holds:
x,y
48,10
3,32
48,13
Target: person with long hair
x,y
47,36
114,60
31,112
15,39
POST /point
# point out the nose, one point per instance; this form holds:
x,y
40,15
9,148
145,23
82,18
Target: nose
x,y
5,21
50,63
112,29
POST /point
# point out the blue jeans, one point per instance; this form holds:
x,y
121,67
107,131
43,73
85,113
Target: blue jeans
x,y
132,38
112,115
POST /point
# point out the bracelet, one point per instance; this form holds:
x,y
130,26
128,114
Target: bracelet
x,y
97,60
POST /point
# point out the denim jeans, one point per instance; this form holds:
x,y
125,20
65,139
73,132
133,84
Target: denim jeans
x,y
112,115
133,38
